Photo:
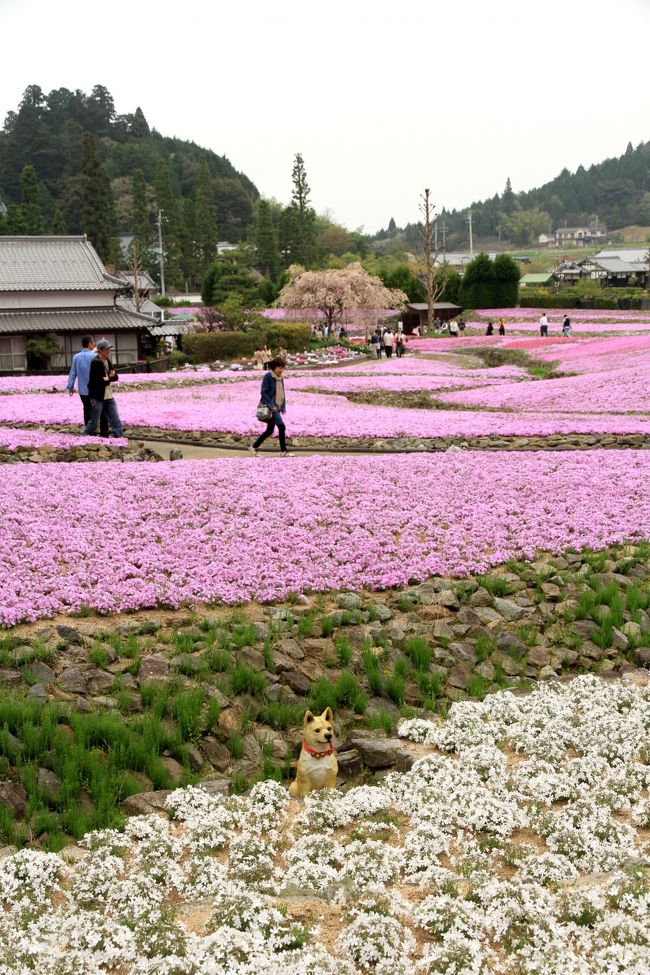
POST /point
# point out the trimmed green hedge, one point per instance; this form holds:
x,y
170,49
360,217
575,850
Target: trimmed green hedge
x,y
208,346
569,299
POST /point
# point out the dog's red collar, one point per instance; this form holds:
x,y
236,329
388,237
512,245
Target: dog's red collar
x,y
311,751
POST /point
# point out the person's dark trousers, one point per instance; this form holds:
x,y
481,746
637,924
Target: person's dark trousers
x,y
275,421
389,351
103,422
108,408
379,352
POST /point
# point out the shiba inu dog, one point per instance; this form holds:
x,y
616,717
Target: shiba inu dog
x,y
317,765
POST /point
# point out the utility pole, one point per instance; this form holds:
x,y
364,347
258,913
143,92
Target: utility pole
x,y
499,230
471,237
161,256
435,234
444,239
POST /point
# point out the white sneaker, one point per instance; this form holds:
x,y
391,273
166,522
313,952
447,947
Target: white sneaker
x,y
254,450
286,453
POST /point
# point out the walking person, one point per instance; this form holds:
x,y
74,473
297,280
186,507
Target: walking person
x,y
401,343
102,375
272,395
490,329
388,343
502,327
566,327
376,341
268,355
80,371
461,325
543,325
453,328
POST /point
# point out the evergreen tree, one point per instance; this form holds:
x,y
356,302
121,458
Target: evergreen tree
x,y
29,197
205,217
142,220
229,275
506,286
392,227
302,245
477,289
97,213
508,200
191,260
166,202
287,235
59,228
266,242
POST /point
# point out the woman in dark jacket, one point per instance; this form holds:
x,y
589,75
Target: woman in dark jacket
x,y
272,395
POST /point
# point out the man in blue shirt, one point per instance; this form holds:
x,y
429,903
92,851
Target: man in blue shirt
x,y
80,371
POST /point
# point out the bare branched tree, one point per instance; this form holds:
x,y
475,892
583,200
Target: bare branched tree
x,y
135,268
433,282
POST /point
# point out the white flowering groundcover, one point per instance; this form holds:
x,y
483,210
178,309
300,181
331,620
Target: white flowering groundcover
x,y
518,844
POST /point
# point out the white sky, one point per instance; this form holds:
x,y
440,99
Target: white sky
x,y
381,98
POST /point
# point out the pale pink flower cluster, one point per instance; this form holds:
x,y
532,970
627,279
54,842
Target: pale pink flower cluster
x,y
202,531
230,408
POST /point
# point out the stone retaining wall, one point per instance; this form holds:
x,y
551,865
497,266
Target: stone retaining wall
x,y
557,441
87,453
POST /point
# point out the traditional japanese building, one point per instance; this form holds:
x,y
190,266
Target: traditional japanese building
x,y
58,286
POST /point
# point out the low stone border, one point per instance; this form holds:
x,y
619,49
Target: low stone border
x,y
88,453
234,441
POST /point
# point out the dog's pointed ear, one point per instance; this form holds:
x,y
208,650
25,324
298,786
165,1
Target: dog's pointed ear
x,y
328,715
309,717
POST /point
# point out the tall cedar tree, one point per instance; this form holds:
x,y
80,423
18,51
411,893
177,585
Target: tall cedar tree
x,y
302,246
29,197
142,229
205,217
166,201
267,258
190,254
59,228
97,216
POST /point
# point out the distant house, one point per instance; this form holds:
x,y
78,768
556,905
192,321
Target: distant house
x,y
631,256
614,272
459,259
569,273
544,279
574,237
59,286
415,313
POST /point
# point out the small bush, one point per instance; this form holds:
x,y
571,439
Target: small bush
x,y
343,650
245,680
418,649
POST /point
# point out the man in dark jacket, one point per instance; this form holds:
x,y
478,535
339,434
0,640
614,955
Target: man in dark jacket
x,y
102,374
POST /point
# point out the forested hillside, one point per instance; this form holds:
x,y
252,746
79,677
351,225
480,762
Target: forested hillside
x,y
74,142
616,192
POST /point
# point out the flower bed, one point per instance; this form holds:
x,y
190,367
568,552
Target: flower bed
x,y
199,531
229,408
513,847
12,439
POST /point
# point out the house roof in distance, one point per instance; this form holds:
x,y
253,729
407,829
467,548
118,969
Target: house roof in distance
x,y
91,320
541,278
52,264
437,306
632,256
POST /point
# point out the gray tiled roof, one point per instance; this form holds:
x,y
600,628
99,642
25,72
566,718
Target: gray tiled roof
x,y
52,264
83,320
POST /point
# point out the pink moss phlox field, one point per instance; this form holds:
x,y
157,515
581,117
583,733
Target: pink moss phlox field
x,y
12,439
229,408
199,531
612,377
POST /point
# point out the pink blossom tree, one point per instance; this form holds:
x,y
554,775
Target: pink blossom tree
x,y
335,294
